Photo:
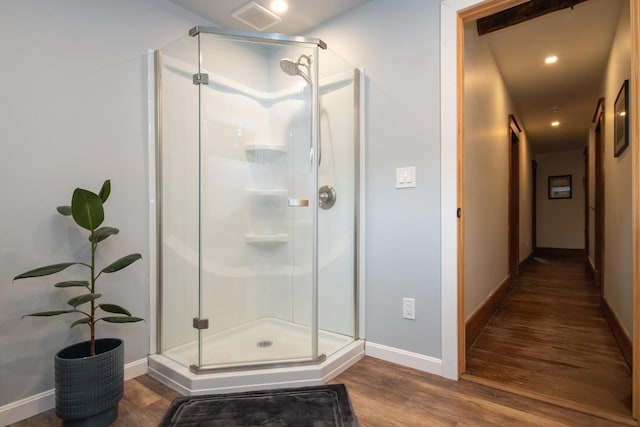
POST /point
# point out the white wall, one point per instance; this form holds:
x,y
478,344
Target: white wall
x,y
560,222
618,262
486,174
398,47
73,112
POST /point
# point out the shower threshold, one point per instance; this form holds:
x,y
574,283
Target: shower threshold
x,y
233,359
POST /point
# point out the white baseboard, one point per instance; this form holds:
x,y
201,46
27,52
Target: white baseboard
x,y
41,402
404,358
136,368
28,407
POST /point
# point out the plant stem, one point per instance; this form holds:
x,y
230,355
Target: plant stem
x,y
92,323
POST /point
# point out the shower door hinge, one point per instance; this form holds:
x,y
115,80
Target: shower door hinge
x,y
200,323
201,78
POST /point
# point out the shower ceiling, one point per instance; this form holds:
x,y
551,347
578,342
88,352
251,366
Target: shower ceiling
x,y
301,16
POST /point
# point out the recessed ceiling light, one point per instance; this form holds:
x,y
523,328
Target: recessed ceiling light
x,y
555,124
551,59
279,6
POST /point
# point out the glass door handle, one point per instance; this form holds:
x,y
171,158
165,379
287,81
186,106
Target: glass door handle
x,y
298,203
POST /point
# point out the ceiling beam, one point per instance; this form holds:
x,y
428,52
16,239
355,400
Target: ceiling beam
x,y
522,13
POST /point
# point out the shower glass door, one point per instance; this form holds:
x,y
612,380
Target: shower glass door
x,y
257,203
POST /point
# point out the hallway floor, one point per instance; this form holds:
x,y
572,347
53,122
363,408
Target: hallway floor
x,y
550,341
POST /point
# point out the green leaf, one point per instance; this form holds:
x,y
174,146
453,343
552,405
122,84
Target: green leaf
x,y
72,283
64,210
45,271
81,299
84,321
105,191
112,308
87,210
50,313
121,319
103,232
121,263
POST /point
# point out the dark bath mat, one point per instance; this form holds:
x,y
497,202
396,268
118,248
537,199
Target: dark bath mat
x,y
317,406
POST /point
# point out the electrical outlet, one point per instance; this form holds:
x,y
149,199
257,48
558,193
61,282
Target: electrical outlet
x,y
409,308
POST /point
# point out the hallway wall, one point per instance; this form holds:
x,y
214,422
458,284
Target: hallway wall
x,y
618,262
560,222
486,175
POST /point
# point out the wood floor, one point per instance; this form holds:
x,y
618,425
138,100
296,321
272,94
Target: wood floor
x,y
382,395
550,340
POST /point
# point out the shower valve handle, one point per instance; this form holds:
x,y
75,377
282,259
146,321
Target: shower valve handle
x,y
298,203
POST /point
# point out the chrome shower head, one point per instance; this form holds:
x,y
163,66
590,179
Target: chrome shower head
x,y
289,67
293,68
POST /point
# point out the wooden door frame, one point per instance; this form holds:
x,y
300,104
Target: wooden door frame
x,y
587,189
635,196
454,14
534,206
514,198
599,195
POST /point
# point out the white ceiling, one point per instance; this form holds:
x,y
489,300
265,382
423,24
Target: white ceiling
x,y
301,16
581,38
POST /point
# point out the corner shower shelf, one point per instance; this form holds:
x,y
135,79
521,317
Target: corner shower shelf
x,y
264,152
266,240
270,148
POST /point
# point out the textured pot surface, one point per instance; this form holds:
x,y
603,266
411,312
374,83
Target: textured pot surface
x,y
89,386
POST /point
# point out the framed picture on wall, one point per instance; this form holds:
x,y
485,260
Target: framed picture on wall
x,y
621,123
560,187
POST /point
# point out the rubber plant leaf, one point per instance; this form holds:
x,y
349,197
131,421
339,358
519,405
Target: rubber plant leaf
x,y
51,313
86,208
64,210
84,321
121,319
103,232
46,270
121,263
81,299
113,308
72,283
105,191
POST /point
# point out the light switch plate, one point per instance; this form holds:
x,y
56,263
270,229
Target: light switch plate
x,y
406,177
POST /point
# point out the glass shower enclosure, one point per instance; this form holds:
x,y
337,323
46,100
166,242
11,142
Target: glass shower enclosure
x,y
257,165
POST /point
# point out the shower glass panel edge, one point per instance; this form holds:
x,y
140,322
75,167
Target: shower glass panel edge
x,y
176,139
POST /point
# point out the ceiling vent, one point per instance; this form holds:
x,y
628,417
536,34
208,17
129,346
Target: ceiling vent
x,y
256,16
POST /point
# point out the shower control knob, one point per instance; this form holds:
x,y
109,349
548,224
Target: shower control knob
x,y
326,197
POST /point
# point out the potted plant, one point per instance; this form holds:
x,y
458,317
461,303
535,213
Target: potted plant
x,y
89,376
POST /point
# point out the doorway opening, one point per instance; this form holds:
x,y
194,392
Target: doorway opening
x,y
454,14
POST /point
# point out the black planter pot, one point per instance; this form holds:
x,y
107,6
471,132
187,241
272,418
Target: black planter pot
x,y
88,388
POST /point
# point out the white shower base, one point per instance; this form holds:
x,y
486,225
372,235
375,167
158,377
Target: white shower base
x,y
266,340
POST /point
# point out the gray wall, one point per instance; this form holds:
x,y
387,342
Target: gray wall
x,y
73,112
397,43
